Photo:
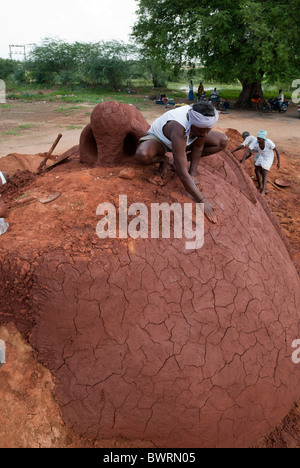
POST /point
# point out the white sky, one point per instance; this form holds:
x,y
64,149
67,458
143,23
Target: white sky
x,y
30,21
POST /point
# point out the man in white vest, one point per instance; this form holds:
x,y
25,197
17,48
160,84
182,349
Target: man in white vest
x,y
187,128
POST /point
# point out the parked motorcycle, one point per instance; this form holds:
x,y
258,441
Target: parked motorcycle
x,y
273,105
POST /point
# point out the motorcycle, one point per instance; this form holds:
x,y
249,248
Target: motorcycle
x,y
299,110
273,105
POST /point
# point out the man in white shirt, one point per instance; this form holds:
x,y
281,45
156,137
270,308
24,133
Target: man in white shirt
x,y
279,100
265,157
248,139
280,97
187,128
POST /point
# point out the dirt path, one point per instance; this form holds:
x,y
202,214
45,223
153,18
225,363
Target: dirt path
x,y
31,127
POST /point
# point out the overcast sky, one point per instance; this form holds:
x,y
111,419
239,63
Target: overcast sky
x,y
29,21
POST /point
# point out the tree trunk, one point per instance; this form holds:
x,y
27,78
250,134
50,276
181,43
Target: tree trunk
x,y
249,91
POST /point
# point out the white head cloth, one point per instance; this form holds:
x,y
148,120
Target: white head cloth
x,y
200,120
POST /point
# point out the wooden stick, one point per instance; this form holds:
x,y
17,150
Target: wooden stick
x,y
43,163
274,185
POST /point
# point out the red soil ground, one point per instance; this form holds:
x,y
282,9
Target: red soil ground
x,y
65,230
28,404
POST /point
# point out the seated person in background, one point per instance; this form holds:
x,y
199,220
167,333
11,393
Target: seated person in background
x,y
214,97
256,99
280,97
279,100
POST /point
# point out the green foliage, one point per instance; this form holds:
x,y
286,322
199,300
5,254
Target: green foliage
x,y
7,68
57,62
111,63
55,58
248,40
20,73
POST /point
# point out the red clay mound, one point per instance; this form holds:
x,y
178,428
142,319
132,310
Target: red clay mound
x,y
113,133
145,339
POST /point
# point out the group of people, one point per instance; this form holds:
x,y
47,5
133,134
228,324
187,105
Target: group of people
x,y
257,100
187,133
263,150
201,95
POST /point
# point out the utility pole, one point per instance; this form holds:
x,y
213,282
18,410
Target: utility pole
x,y
21,50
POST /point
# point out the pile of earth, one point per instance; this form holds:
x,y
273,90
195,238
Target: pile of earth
x,y
148,341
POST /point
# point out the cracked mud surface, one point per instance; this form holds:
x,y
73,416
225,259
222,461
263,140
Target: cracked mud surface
x,y
146,340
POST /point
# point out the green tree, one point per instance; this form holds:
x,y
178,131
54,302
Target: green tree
x,y
110,63
233,40
54,57
7,68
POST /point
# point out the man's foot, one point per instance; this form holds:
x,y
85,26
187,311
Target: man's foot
x,y
162,170
263,192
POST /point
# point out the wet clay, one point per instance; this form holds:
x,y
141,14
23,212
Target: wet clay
x,y
113,134
145,339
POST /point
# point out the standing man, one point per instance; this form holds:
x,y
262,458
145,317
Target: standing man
x,y
191,91
187,128
265,157
200,89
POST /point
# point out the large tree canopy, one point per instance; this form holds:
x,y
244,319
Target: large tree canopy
x,y
232,39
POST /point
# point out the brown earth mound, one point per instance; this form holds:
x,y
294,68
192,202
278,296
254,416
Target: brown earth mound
x,y
148,340
113,133
22,162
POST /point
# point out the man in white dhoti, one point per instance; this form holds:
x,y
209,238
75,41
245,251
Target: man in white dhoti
x,y
264,159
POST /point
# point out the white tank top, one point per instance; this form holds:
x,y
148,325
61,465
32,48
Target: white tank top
x,y
178,115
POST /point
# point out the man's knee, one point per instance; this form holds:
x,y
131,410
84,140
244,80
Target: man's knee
x,y
142,156
223,141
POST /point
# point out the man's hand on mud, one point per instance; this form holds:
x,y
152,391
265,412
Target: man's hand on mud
x,y
209,212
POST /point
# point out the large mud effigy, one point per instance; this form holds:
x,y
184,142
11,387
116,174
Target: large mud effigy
x,y
114,132
146,339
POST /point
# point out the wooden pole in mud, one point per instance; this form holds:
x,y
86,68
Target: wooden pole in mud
x,y
43,163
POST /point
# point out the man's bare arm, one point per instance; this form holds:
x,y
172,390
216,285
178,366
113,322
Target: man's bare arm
x,y
247,155
237,149
179,152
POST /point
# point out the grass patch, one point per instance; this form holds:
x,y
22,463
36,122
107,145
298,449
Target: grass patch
x,y
18,130
73,127
25,126
89,95
11,132
96,95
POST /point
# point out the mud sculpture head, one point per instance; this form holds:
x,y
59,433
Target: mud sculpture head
x,y
112,135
